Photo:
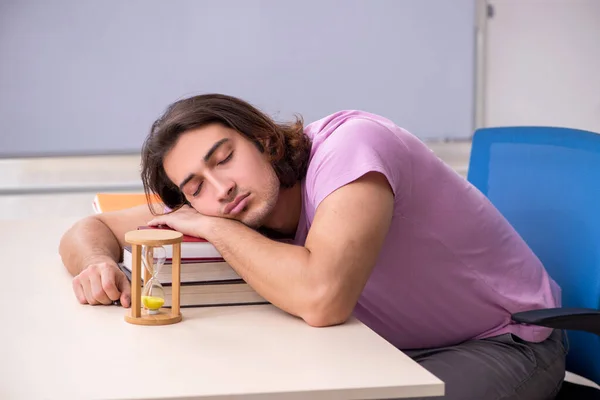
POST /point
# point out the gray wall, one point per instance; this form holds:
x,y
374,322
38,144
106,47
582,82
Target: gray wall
x,y
88,77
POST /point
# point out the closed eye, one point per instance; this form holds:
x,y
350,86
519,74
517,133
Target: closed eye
x,y
226,159
197,190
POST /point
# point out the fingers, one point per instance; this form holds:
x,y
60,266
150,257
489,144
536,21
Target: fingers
x,y
125,289
78,289
97,289
101,284
109,285
155,222
87,291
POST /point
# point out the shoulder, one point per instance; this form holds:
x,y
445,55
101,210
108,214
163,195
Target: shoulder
x,y
355,134
360,138
348,144
354,124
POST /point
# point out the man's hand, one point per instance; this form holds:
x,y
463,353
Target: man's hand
x,y
185,220
102,282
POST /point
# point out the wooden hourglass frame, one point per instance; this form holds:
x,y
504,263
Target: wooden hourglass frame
x,y
153,238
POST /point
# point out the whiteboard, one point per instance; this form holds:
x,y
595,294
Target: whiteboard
x,y
84,77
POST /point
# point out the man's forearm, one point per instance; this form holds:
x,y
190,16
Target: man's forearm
x,y
86,242
281,272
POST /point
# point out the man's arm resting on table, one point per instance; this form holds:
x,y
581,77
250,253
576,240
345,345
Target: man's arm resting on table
x,y
100,238
322,281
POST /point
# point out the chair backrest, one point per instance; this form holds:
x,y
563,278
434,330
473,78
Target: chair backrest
x,y
546,182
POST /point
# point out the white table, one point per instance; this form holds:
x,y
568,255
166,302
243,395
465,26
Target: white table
x,y
55,348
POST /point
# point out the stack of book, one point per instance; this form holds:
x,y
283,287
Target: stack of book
x,y
206,278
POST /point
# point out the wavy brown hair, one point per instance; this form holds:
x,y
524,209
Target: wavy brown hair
x,y
285,143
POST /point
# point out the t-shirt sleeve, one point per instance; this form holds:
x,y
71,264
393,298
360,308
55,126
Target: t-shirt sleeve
x,y
356,147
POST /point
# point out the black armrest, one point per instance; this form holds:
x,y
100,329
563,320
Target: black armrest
x,y
579,319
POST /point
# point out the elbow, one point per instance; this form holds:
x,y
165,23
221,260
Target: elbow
x,y
66,248
327,307
66,241
64,244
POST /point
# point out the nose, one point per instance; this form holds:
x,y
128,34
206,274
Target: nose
x,y
225,190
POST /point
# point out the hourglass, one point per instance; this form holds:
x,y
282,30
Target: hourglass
x,y
147,250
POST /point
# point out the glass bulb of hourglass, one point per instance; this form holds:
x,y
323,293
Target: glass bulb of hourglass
x,y
153,294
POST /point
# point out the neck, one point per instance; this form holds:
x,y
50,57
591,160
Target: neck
x,y
283,221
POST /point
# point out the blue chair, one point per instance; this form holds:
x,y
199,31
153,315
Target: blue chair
x,y
546,182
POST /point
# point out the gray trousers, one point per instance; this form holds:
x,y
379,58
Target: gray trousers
x,y
499,368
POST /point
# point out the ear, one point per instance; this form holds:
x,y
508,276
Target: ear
x,y
270,150
264,146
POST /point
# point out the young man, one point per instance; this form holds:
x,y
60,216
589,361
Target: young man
x,y
376,227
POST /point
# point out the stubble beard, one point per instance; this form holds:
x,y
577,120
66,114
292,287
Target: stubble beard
x,y
259,214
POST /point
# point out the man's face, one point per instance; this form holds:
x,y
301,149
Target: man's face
x,y
223,174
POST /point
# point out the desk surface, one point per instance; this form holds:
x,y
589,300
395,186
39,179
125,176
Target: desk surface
x,y
54,347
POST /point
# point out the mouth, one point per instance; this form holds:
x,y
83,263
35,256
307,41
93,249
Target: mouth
x,y
237,205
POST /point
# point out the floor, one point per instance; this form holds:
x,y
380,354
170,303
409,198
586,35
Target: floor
x,y
65,187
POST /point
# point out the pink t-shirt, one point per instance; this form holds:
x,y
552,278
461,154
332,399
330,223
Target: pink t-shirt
x,y
451,268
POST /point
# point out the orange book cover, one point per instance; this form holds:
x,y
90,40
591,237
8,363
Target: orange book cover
x,y
106,202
